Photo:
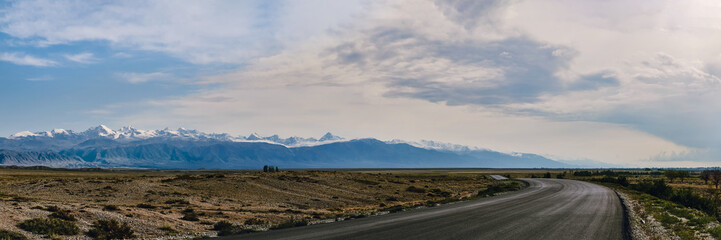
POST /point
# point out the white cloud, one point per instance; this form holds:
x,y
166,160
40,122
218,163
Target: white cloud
x,y
616,98
41,78
143,77
199,32
84,58
28,60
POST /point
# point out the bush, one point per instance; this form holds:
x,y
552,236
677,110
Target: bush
x,y
146,206
621,180
63,214
52,208
499,187
656,188
8,235
110,229
110,208
715,232
255,221
224,228
190,216
685,196
416,189
49,226
177,201
690,199
441,192
291,223
167,229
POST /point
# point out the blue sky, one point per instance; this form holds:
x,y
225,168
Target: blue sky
x,y
623,82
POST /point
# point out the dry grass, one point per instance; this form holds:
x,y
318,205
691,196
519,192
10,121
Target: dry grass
x,y
150,201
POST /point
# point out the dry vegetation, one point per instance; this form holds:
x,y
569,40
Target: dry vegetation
x,y
183,204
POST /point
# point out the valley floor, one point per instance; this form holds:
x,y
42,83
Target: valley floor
x,y
189,203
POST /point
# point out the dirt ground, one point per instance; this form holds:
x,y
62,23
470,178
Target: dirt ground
x,y
153,203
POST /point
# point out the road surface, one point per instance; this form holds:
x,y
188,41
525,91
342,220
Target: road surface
x,y
547,209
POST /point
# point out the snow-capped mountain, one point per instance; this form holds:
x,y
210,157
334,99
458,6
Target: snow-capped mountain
x,y
127,134
441,146
102,146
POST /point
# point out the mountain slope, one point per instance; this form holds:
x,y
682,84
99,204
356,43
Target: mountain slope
x,y
190,149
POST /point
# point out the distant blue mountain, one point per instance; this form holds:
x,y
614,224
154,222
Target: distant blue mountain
x,y
190,149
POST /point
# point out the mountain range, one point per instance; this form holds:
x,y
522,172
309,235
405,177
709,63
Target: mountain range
x,y
128,147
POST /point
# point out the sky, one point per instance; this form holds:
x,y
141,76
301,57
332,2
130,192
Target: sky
x,y
631,83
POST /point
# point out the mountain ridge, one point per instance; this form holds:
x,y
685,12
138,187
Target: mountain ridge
x,y
191,149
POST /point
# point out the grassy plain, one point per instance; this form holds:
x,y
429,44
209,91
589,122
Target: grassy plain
x,y
187,203
664,209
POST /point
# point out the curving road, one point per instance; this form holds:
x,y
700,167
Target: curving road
x,y
547,209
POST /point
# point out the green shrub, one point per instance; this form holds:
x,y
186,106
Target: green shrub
x,y
52,208
657,188
291,223
146,206
620,180
667,219
224,228
688,198
167,229
499,187
110,208
190,216
8,235
255,221
684,196
177,201
715,232
416,189
49,226
441,192
110,229
63,214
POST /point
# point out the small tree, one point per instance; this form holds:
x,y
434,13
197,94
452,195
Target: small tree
x,y
705,176
276,169
682,174
265,168
716,177
670,174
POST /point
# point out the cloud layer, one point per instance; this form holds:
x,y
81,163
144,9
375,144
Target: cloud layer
x,y
27,60
614,81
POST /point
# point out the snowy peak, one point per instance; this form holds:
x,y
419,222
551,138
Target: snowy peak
x,y
128,133
23,134
253,137
59,131
101,131
440,146
329,137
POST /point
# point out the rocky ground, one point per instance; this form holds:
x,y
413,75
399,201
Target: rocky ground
x,y
156,204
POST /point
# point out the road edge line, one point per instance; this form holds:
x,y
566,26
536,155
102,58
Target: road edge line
x,y
627,234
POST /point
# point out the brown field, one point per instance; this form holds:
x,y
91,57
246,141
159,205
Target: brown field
x,y
153,202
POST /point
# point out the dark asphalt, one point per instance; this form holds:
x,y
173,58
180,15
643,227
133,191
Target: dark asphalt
x,y
547,209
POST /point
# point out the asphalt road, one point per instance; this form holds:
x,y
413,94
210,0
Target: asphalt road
x,y
547,209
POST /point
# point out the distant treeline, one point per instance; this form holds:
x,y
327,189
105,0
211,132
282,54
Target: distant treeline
x,y
614,173
268,168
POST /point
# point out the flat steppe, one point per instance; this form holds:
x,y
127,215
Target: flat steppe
x,y
153,202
